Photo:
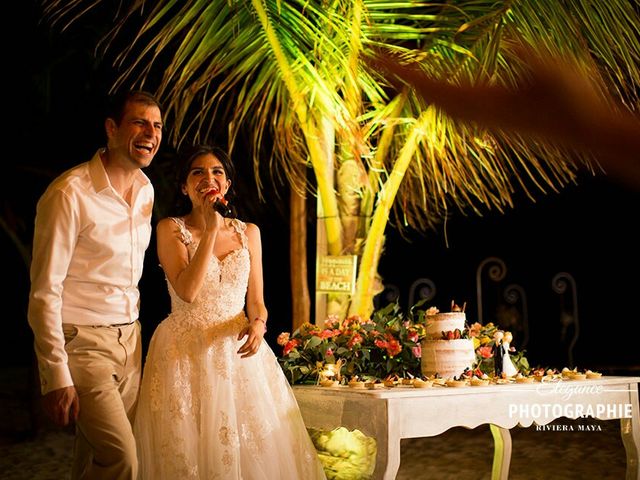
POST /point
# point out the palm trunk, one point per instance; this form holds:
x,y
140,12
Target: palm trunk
x,y
362,301
301,303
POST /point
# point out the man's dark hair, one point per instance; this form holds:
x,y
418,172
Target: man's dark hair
x,y
118,102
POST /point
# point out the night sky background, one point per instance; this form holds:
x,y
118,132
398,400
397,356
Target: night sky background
x,y
55,89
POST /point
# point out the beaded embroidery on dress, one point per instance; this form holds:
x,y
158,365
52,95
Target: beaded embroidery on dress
x,y
206,413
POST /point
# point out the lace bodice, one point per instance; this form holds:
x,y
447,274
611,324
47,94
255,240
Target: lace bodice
x,y
223,294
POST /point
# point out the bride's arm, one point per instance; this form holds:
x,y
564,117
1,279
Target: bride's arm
x,y
186,277
255,290
256,309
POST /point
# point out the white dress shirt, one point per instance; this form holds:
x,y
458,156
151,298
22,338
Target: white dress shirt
x,y
88,254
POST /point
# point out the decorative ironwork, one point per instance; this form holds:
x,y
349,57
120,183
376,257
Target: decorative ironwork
x,y
390,294
559,284
425,288
497,272
513,293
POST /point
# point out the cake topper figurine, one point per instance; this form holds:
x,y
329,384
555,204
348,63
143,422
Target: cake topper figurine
x,y
498,353
508,367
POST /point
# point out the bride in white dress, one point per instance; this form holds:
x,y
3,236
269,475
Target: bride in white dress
x,y
214,403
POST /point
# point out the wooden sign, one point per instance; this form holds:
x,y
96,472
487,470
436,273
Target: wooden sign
x,y
336,274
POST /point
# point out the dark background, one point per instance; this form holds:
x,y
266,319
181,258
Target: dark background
x,y
55,89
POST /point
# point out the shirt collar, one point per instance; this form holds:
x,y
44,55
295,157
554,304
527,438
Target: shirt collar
x,y
99,177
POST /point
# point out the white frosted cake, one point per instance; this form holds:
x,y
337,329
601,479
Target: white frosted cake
x,y
443,351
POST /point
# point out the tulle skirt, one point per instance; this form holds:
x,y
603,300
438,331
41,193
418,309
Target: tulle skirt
x,y
206,413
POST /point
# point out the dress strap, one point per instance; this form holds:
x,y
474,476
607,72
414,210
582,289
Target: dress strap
x,y
240,227
185,234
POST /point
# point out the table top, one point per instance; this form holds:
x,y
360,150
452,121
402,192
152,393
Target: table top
x,y
506,405
603,384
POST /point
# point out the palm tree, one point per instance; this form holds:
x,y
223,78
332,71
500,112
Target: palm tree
x,y
290,72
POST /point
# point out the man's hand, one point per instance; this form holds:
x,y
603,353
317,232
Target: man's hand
x,y
62,405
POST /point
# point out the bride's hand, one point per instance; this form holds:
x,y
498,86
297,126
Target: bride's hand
x,y
254,332
213,219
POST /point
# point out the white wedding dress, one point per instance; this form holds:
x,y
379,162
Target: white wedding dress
x,y
206,413
507,365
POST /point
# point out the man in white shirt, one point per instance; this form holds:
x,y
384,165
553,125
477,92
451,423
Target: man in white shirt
x,y
92,227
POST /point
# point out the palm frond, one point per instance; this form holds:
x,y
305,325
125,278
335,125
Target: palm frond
x,y
283,76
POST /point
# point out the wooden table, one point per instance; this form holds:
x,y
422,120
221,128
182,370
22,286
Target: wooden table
x,y
391,414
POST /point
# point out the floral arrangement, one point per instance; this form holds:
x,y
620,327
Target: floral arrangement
x,y
387,345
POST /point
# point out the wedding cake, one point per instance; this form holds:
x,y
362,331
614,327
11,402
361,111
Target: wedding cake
x,y
444,352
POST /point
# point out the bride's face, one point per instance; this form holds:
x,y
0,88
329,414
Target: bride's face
x,y
206,178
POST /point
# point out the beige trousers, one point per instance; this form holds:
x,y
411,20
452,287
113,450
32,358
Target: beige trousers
x,y
105,364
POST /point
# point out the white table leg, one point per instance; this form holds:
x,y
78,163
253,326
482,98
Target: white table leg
x,y
387,459
631,446
388,448
501,452
630,432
